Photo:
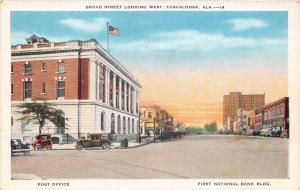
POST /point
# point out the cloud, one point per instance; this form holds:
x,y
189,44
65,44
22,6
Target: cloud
x,y
241,24
188,40
91,26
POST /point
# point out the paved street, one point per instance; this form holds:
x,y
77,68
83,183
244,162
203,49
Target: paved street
x,y
190,157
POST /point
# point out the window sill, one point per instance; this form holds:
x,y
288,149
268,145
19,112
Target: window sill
x,y
43,93
27,73
11,94
11,72
60,72
43,70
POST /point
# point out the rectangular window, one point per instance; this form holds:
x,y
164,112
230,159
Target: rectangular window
x,y
11,69
27,89
43,66
102,84
60,88
43,88
60,67
12,89
27,68
149,115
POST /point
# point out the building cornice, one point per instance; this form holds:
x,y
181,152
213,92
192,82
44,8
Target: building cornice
x,y
72,46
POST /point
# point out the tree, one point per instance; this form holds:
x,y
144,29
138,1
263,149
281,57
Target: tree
x,y
193,130
211,127
39,111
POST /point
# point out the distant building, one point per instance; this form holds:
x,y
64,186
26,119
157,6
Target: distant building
x,y
154,119
179,126
252,116
149,119
242,120
236,100
258,121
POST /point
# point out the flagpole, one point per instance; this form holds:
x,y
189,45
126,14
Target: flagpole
x,y
107,37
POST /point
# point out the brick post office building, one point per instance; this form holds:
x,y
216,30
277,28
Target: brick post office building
x,y
96,93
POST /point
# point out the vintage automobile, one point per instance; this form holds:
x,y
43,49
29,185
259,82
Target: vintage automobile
x,y
249,132
42,141
17,146
256,132
276,132
266,132
92,141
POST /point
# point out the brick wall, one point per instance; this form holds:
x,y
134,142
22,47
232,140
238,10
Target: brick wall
x,y
74,89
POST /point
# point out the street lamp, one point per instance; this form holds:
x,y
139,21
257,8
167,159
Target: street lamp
x,y
154,129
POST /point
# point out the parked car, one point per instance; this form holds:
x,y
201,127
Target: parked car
x,y
93,140
256,133
17,146
249,132
276,132
266,132
42,141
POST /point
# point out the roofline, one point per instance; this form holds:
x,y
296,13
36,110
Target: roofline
x,y
99,49
276,101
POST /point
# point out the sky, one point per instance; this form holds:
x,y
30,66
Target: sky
x,y
185,61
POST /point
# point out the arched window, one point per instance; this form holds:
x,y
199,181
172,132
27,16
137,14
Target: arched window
x,y
138,126
102,120
112,126
124,125
119,124
128,123
132,121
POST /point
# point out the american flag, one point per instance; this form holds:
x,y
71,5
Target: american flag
x,y
113,31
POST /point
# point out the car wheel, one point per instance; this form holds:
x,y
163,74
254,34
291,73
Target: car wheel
x,y
79,147
106,145
283,135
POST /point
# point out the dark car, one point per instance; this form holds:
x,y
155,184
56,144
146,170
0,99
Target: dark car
x,y
256,133
17,146
92,141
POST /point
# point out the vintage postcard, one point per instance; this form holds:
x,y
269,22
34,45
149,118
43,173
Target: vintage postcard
x,y
149,95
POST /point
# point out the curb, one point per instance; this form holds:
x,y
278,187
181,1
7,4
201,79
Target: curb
x,y
116,147
25,176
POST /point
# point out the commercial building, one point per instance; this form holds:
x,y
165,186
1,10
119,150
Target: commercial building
x,y
236,100
242,121
96,93
155,119
253,118
276,115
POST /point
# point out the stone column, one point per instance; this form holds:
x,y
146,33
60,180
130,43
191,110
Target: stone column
x,y
107,81
129,98
125,96
134,101
120,94
138,101
97,81
114,90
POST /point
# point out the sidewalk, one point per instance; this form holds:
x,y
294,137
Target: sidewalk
x,y
115,145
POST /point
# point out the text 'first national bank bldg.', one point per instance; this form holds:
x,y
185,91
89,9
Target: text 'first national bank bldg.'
x,y
96,93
